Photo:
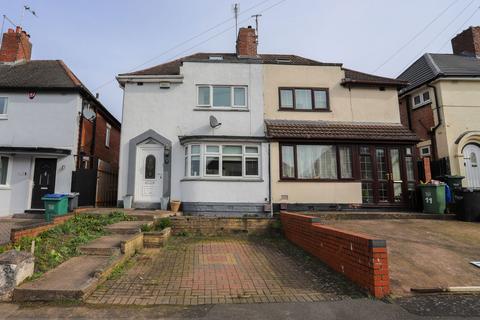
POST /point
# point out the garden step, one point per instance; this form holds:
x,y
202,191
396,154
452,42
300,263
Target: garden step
x,y
127,227
104,246
40,215
72,280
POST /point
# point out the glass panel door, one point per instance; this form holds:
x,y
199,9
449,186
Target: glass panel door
x,y
383,175
396,175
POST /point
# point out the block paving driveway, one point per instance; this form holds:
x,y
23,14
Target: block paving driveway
x,y
192,271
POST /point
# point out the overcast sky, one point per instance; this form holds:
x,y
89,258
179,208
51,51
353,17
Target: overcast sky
x,y
100,38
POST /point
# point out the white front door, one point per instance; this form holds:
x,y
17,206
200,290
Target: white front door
x,y
149,173
471,155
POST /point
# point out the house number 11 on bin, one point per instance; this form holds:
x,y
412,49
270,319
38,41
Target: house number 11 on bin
x,y
428,198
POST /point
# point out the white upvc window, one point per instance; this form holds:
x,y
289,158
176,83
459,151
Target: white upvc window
x,y
222,96
425,151
229,160
107,135
421,99
3,107
4,171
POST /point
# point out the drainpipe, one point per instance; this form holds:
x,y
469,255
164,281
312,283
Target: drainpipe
x,y
270,182
439,119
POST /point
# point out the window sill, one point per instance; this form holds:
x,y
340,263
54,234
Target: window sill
x,y
228,109
3,117
319,180
221,179
304,110
5,187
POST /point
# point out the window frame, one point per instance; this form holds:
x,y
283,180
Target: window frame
x,y
422,154
312,97
353,158
232,96
204,154
6,185
422,102
4,115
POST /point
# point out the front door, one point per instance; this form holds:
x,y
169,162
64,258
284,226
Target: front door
x,y
43,180
149,175
386,174
471,156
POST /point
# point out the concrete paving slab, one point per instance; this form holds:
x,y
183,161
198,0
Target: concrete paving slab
x,y
72,280
127,227
105,246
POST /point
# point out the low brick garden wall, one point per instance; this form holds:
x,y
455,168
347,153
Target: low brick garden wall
x,y
212,226
34,229
361,258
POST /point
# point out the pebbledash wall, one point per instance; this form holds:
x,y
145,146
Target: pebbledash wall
x,y
359,257
48,120
173,113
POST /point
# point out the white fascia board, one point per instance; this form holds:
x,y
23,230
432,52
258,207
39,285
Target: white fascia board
x,y
151,79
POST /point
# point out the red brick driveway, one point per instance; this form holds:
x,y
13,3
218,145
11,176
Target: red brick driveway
x,y
229,270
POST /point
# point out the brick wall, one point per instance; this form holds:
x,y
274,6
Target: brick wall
x,y
467,42
109,154
422,121
36,229
361,258
403,112
220,225
247,42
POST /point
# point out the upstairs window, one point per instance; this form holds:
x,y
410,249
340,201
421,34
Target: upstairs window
x,y
421,99
222,96
107,135
3,107
304,99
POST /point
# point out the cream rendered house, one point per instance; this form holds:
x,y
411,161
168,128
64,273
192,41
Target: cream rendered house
x,y
442,105
336,138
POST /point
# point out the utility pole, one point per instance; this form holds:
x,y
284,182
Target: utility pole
x,y
256,16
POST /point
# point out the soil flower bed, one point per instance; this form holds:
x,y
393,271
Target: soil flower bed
x,y
61,243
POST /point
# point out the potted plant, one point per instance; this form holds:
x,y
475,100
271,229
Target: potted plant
x,y
175,205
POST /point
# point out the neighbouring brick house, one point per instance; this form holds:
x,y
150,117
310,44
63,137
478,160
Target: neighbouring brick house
x,y
441,105
52,130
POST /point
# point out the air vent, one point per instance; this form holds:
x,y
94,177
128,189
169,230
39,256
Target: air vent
x,y
215,58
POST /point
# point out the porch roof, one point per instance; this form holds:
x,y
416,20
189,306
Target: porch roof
x,y
35,150
336,130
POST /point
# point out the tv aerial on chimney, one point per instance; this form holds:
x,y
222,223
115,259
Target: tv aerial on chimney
x,y
236,10
256,16
25,9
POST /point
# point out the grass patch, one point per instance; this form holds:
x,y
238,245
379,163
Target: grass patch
x,y
121,269
61,243
158,225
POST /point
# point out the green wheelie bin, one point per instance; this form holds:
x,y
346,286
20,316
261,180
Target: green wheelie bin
x,y
55,205
433,198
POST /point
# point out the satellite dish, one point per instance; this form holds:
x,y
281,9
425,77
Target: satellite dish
x,y
214,122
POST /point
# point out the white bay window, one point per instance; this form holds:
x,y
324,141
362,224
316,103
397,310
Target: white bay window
x,y
222,160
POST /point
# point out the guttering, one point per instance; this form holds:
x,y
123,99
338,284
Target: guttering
x,y
149,78
439,119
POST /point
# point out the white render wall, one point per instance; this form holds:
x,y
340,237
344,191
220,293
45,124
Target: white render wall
x,y
171,113
50,120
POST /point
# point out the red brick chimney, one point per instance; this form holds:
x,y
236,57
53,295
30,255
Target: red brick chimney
x,y
467,43
16,46
247,42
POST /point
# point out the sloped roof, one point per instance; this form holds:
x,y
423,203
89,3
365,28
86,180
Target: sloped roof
x,y
333,130
356,77
38,74
351,76
433,65
173,67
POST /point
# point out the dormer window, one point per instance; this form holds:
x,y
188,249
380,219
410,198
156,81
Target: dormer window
x,y
221,96
421,99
